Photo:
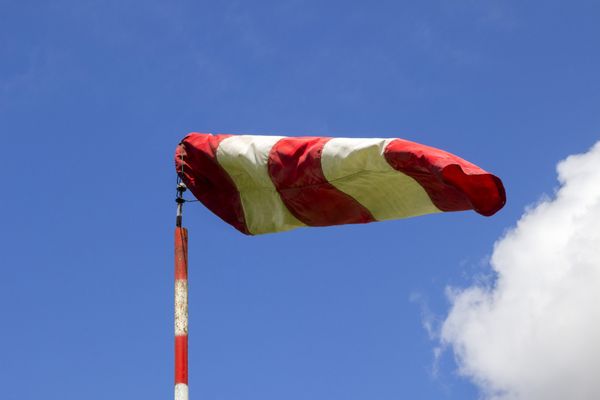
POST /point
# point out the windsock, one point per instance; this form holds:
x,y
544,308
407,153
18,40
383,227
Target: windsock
x,y
265,184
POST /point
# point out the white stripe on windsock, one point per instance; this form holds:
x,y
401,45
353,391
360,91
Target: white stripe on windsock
x,y
358,168
245,159
181,391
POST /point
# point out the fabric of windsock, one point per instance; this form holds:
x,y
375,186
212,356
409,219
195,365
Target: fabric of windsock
x,y
263,184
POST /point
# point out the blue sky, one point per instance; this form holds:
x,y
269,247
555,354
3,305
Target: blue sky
x,y
94,97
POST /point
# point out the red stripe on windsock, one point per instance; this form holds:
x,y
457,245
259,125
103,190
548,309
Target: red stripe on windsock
x,y
197,165
181,359
452,183
295,170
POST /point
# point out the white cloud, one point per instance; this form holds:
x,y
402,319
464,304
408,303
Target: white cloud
x,y
535,333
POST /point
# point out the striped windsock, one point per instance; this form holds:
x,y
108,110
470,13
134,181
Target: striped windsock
x,y
262,184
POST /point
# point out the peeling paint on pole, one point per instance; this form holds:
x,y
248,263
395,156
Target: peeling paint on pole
x,y
181,307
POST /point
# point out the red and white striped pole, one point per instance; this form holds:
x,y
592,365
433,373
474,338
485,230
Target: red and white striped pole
x,y
181,302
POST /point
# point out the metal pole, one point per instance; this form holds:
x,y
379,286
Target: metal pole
x,y
181,302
